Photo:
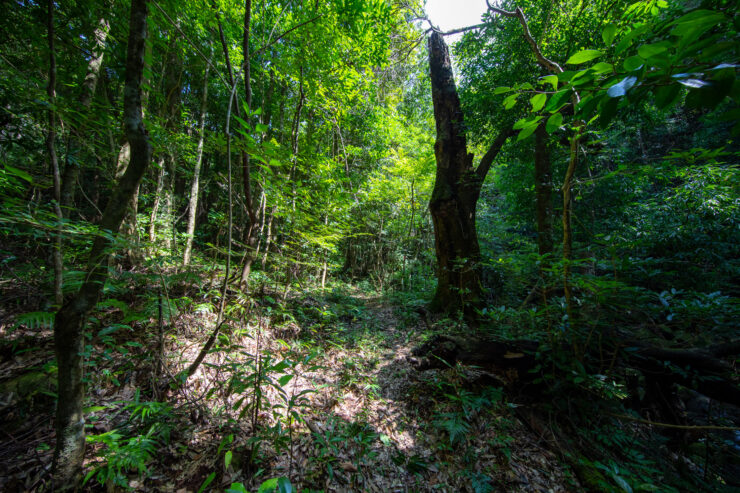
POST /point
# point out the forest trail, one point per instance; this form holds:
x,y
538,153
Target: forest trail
x,y
415,431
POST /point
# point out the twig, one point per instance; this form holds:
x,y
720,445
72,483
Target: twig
x,y
678,427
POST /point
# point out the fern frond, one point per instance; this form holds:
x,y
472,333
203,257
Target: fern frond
x,y
36,320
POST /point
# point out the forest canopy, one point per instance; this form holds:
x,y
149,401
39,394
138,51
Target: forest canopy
x,y
282,245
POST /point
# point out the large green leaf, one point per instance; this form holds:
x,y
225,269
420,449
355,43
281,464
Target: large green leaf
x,y
526,132
554,122
538,101
608,34
584,56
650,50
633,63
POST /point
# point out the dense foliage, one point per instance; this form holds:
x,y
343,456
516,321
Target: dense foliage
x,y
244,309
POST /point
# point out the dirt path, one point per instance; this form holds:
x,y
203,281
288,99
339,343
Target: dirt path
x,y
396,429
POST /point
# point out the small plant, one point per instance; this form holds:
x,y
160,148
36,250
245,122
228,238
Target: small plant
x,y
126,450
121,455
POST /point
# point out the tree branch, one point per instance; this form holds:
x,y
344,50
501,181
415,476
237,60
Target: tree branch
x,y
519,14
490,155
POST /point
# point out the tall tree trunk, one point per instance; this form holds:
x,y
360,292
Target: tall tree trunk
x,y
157,200
250,237
543,190
72,317
456,190
51,134
194,188
72,160
268,241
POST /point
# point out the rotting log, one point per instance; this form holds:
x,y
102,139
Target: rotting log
x,y
514,358
702,370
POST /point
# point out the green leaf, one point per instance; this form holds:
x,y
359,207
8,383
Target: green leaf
x,y
696,23
502,90
558,99
526,122
584,56
620,88
227,459
236,488
510,101
627,39
633,63
622,483
261,128
667,95
284,379
647,51
602,68
113,328
526,132
608,34
208,481
608,111
268,486
538,101
19,173
244,124
554,122
284,485
550,79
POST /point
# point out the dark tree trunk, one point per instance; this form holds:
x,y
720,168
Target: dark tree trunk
x,y
543,190
456,189
71,319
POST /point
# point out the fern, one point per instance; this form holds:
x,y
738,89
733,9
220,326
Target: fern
x,y
203,308
121,455
114,303
36,320
455,426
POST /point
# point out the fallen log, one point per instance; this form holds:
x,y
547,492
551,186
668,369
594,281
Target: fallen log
x,y
702,370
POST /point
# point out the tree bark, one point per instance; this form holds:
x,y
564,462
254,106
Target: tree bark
x,y
456,190
72,317
251,230
157,200
172,109
72,160
194,188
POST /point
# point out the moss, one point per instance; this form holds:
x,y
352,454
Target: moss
x,y
590,478
27,385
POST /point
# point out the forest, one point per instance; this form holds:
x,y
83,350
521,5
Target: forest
x,y
295,246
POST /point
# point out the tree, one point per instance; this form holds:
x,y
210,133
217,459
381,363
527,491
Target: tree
x,y
457,187
71,318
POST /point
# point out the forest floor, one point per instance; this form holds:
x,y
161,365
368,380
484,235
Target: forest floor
x,y
339,406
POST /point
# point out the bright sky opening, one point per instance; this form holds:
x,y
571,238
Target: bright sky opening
x,y
454,14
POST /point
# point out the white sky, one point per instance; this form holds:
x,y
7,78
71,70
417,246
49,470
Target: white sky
x,y
454,14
